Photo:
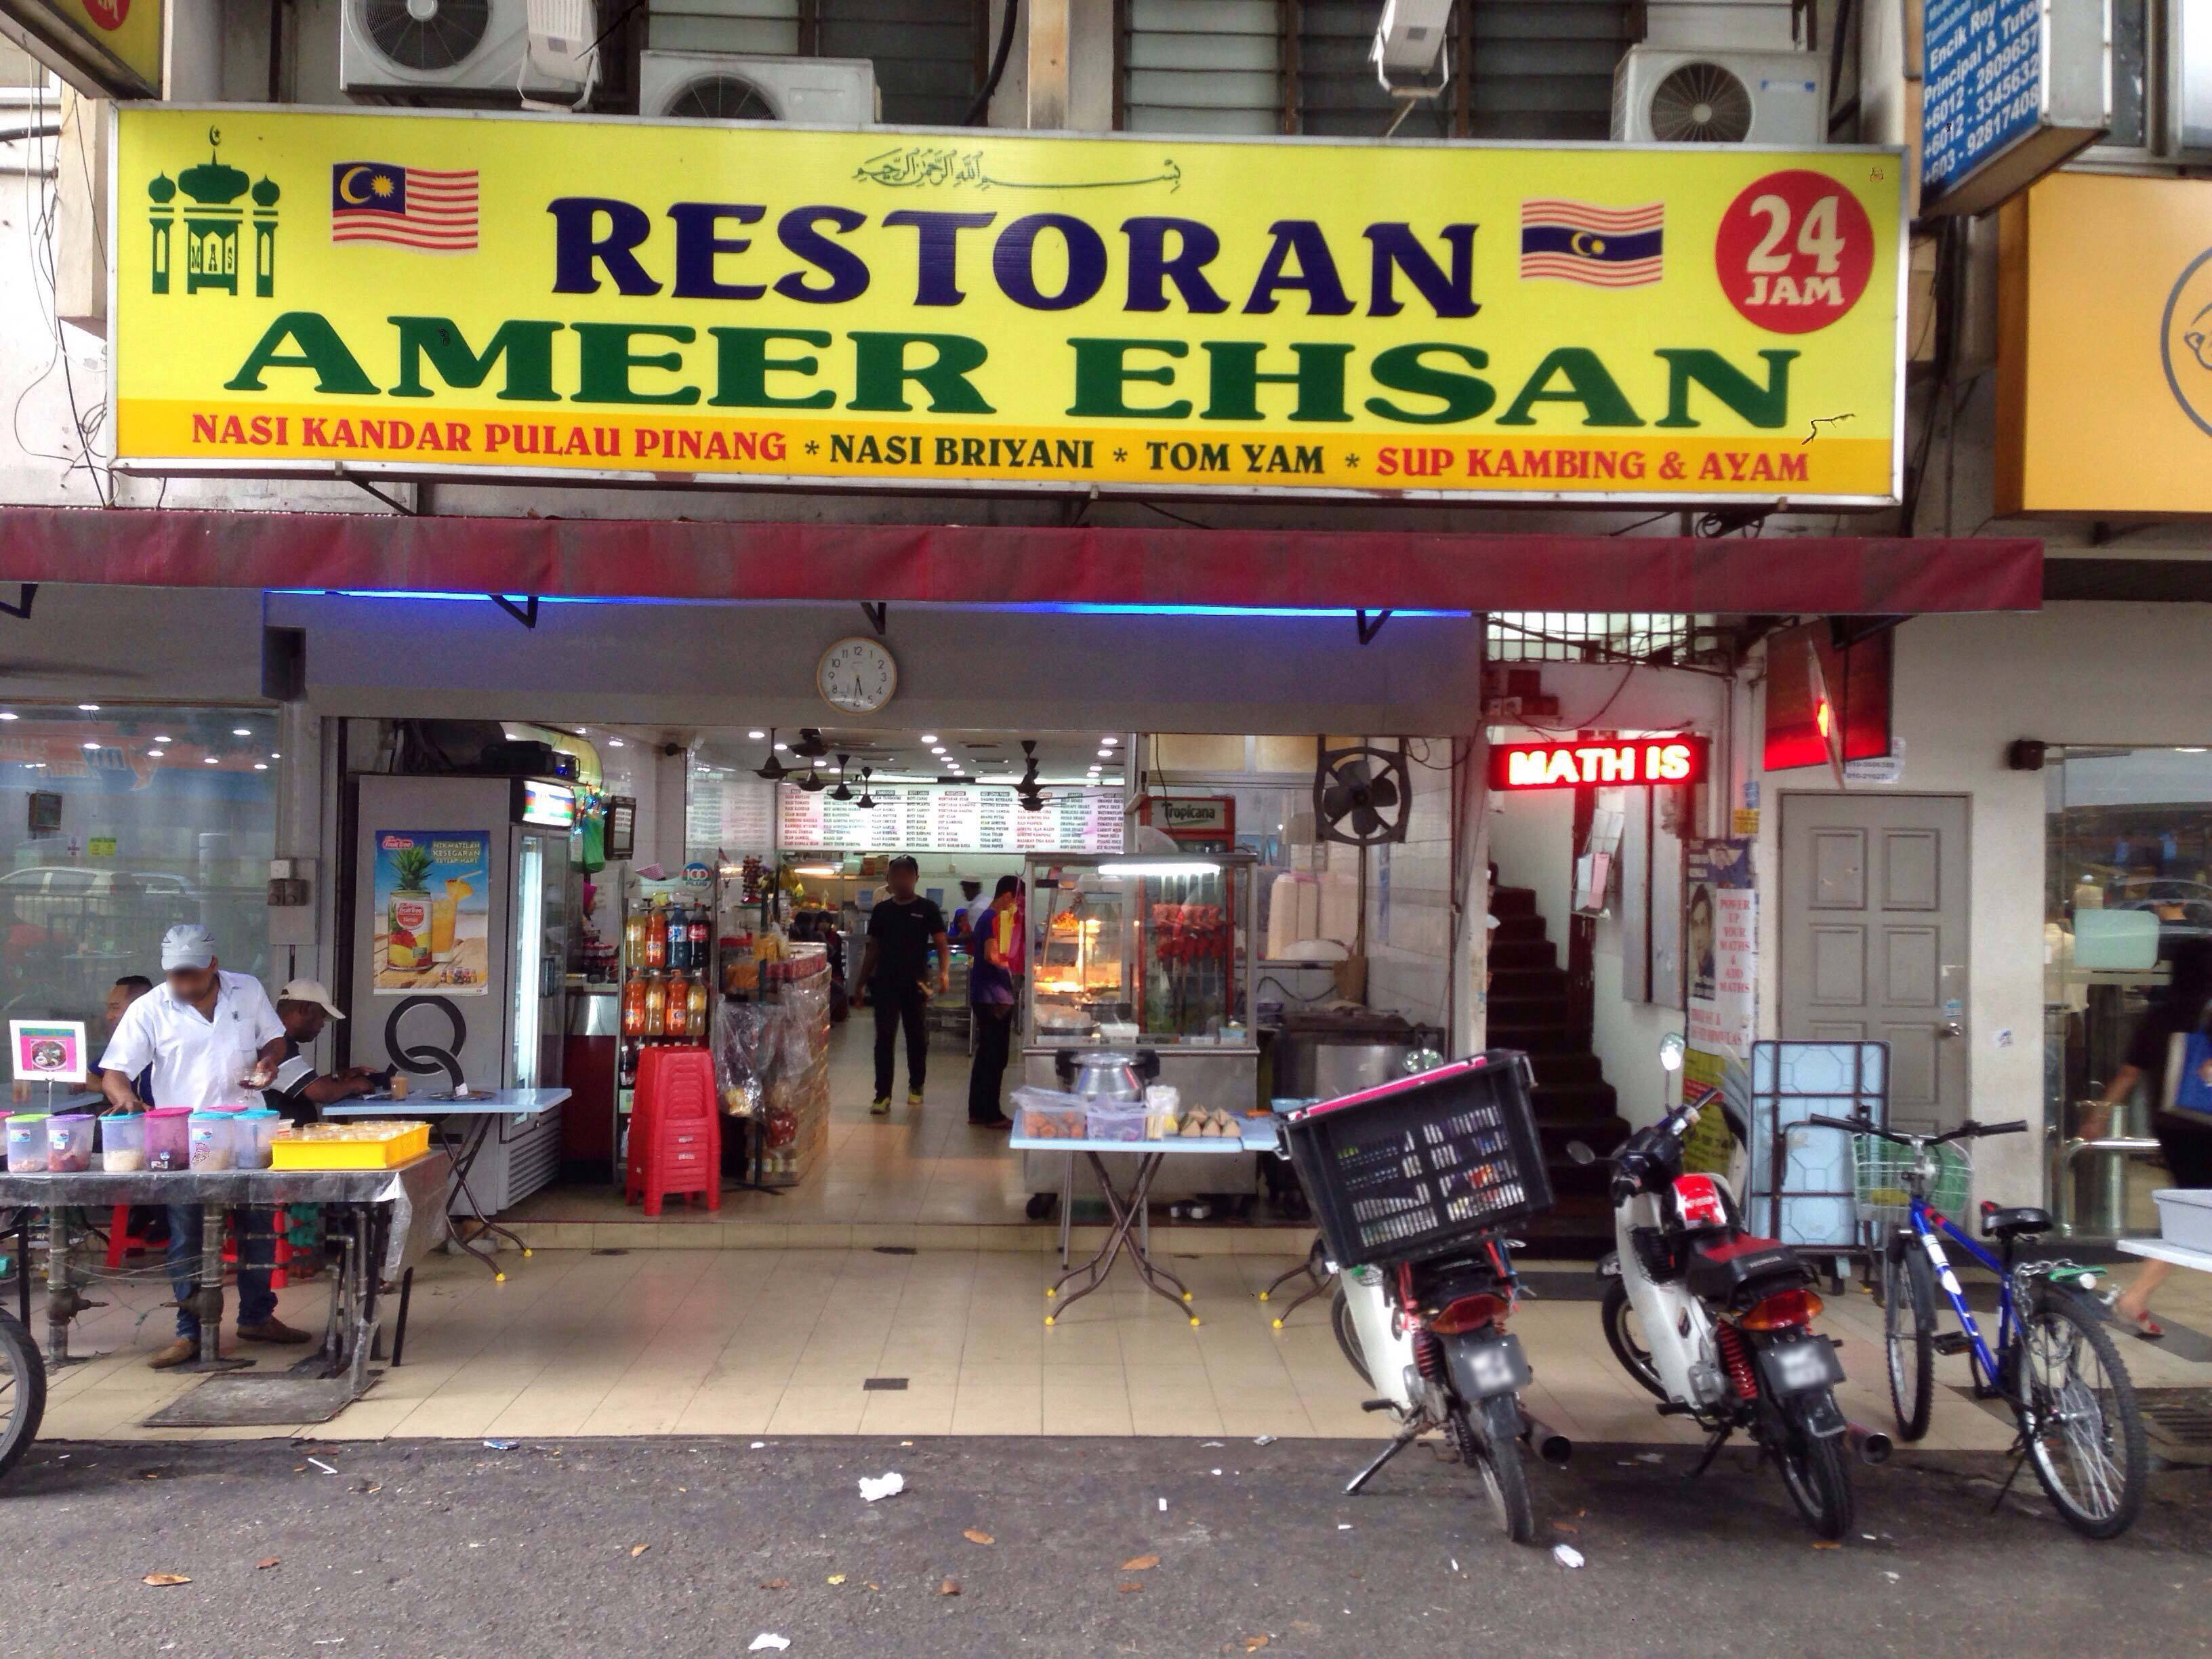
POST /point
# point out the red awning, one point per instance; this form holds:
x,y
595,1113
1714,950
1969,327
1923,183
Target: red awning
x,y
1379,570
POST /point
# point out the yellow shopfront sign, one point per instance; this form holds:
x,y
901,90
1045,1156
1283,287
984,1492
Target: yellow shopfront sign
x,y
2105,361
445,295
103,48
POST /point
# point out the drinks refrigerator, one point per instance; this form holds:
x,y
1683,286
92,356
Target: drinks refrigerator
x,y
460,947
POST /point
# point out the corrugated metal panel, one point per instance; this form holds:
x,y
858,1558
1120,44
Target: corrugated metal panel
x,y
1209,66
769,28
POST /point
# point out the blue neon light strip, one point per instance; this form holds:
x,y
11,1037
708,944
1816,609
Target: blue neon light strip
x,y
1050,607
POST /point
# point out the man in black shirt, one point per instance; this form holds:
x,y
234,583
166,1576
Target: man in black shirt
x,y
902,929
300,1092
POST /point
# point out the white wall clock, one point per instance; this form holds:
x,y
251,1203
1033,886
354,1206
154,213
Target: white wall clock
x,y
856,676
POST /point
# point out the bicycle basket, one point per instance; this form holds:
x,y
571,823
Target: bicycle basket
x,y
1412,1169
1883,1172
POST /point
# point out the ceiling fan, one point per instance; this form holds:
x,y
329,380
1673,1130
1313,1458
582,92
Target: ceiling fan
x,y
867,802
810,744
776,769
843,791
1029,791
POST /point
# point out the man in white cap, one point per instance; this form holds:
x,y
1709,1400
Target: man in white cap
x,y
299,1092
210,1038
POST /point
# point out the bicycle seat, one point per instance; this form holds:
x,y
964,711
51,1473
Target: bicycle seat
x,y
2015,1222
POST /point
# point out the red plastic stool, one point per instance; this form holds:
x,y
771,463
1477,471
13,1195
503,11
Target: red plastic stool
x,y
121,1241
675,1132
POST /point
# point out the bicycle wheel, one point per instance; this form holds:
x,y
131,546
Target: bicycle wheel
x,y
2089,1448
1493,1452
1908,1328
23,1391
1625,1339
1818,1480
1347,1334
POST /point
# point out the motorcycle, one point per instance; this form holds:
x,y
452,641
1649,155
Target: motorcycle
x,y
1717,1323
1431,1337
1412,1184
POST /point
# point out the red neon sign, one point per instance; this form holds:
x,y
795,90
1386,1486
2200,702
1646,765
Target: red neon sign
x,y
1599,761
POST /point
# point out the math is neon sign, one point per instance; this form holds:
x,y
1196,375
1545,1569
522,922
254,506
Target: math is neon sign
x,y
1599,761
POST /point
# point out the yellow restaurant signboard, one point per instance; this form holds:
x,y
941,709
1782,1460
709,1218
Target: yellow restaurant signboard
x,y
2105,354
456,295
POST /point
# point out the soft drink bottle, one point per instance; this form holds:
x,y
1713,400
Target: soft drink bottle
x,y
679,938
633,1010
656,1006
656,941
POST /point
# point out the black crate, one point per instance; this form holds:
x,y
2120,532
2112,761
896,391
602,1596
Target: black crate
x,y
1414,1169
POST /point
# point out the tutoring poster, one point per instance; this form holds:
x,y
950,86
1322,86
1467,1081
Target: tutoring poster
x,y
1720,942
433,911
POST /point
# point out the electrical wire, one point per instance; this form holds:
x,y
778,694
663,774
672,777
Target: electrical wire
x,y
981,107
1604,709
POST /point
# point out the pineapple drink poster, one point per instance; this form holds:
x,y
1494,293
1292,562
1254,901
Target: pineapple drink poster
x,y
433,911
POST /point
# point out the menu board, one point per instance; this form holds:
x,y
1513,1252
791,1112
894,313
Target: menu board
x,y
727,812
950,818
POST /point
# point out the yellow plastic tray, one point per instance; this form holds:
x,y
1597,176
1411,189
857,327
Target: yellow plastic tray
x,y
407,1142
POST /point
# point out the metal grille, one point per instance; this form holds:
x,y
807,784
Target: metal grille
x,y
2179,1419
1203,66
1592,636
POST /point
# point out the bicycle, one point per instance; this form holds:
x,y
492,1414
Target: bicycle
x,y
2078,1423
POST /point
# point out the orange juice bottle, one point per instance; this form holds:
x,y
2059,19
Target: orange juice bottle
x,y
656,1005
698,1011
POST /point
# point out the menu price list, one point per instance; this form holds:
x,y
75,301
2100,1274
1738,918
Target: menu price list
x,y
985,818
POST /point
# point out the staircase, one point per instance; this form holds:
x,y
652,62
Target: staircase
x,y
1531,1009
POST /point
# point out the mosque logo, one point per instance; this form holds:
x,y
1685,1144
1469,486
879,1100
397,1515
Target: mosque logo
x,y
213,222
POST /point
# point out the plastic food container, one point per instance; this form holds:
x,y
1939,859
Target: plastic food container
x,y
1122,1121
69,1141
255,1133
357,1144
167,1143
2184,1217
27,1143
123,1142
211,1138
1163,1109
1048,1116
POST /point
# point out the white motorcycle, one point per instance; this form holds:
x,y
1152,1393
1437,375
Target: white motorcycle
x,y
1716,1323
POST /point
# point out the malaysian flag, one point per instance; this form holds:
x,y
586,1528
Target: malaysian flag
x,y
1578,243
428,210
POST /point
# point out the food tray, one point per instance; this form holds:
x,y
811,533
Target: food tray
x,y
2184,1217
1416,1168
365,1143
1116,1123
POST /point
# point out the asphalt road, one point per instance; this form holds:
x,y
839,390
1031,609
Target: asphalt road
x,y
446,1550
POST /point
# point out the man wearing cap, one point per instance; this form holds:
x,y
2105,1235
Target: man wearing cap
x,y
299,1092
209,1038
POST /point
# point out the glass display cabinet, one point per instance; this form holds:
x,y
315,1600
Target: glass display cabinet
x,y
1145,951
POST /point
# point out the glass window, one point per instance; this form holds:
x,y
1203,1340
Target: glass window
x,y
116,824
2128,880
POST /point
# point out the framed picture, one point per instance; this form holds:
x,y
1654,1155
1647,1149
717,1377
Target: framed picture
x,y
48,1050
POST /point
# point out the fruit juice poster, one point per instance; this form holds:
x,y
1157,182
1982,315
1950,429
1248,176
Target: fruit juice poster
x,y
433,911
47,1050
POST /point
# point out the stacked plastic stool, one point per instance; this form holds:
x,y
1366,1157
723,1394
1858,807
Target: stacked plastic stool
x,y
675,1131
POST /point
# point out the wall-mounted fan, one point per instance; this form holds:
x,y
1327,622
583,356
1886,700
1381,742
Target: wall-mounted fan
x,y
1361,795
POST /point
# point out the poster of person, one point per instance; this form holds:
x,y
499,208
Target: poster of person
x,y
433,911
47,1050
1720,946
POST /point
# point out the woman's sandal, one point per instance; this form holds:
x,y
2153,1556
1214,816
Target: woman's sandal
x,y
2145,1327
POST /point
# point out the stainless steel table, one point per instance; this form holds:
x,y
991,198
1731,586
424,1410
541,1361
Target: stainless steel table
x,y
388,1221
1130,1231
478,1111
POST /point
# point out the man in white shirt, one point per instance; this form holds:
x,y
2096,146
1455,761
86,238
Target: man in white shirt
x,y
207,1038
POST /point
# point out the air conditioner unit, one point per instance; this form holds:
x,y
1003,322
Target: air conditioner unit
x,y
472,51
722,86
1679,95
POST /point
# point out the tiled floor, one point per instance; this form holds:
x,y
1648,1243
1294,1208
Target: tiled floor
x,y
918,1177
768,1342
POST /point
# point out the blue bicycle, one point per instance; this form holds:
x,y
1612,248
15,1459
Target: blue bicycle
x,y
2053,1362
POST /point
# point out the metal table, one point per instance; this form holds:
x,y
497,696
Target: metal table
x,y
389,1221
480,1111
1130,1231
2158,1249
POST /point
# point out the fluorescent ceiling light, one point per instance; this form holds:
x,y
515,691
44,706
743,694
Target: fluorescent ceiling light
x,y
9,716
1109,740
755,736
159,737
209,760
819,871
89,708
615,742
241,730
92,745
929,737
1163,868
155,754
261,766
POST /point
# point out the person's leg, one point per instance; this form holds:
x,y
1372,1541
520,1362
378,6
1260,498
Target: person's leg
x,y
982,1090
2134,1303
887,1006
257,1254
913,1013
184,1266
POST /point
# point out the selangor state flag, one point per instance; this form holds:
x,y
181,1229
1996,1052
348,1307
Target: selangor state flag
x,y
420,208
1579,242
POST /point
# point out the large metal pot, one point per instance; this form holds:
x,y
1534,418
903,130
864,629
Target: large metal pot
x,y
1106,1073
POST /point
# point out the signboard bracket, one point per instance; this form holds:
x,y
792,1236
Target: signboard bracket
x,y
1369,628
525,613
878,613
21,608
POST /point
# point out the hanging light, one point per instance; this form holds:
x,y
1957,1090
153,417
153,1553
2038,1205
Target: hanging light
x,y
774,770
